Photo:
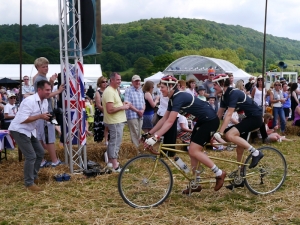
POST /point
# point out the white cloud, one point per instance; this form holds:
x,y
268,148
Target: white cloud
x,y
282,15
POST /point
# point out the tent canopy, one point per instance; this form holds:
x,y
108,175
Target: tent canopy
x,y
91,71
155,78
196,64
6,80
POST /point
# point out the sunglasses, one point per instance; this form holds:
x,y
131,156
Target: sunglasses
x,y
12,97
259,79
277,85
104,81
26,79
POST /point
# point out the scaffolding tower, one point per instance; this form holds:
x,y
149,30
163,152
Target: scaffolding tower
x,y
72,76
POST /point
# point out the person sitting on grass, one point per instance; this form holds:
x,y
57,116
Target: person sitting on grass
x,y
273,136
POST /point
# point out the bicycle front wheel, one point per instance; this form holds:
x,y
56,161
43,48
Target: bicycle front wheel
x,y
145,181
270,173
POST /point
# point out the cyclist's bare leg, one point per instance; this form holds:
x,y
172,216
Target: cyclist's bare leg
x,y
196,153
239,153
194,163
233,135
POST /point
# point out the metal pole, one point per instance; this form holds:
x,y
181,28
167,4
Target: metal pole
x,y
21,59
264,56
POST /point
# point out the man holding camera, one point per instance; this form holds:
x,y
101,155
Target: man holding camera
x,y
46,130
23,130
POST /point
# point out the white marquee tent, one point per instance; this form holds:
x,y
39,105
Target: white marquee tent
x,y
91,71
155,78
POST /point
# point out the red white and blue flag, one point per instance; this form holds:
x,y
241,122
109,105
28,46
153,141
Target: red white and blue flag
x,y
6,140
77,104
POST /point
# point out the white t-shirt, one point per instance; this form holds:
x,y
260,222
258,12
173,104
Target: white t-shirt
x,y
11,110
182,119
163,105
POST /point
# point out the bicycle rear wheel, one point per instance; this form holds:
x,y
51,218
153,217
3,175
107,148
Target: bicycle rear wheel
x,y
270,173
147,182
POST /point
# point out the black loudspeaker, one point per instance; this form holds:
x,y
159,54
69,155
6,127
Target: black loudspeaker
x,y
91,40
282,65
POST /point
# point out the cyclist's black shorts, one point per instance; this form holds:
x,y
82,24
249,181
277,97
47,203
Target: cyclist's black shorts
x,y
247,125
203,132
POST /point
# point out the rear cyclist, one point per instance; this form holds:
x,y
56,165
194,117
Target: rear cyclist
x,y
197,110
233,99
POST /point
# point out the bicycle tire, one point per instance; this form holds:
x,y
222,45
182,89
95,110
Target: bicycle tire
x,y
270,173
138,188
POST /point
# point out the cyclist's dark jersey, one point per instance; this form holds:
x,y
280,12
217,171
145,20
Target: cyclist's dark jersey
x,y
235,98
199,110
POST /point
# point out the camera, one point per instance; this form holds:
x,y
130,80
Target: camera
x,y
52,119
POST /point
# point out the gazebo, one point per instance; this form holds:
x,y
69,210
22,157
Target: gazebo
x,y
196,66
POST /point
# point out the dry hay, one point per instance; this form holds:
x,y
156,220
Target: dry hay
x,y
292,130
96,200
95,152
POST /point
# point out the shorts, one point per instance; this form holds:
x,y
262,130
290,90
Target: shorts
x,y
286,112
40,130
203,132
247,125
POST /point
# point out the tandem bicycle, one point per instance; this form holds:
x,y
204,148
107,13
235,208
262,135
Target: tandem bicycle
x,y
147,180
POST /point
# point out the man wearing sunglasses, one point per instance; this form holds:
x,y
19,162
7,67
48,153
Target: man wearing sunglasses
x,y
27,89
209,87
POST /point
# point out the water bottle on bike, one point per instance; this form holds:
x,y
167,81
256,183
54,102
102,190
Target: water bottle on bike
x,y
182,165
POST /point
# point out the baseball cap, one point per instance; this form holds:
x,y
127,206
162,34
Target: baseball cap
x,y
11,95
135,77
200,88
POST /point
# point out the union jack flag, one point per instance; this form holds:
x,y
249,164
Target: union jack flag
x,y
77,105
6,140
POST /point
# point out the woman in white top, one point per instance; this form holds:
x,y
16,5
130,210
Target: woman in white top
x,y
191,86
256,93
277,99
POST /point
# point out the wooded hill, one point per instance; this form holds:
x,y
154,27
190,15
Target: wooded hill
x,y
150,45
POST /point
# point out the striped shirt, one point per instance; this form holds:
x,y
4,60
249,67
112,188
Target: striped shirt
x,y
136,98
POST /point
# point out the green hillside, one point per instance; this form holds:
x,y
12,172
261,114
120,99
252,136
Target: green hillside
x,y
150,45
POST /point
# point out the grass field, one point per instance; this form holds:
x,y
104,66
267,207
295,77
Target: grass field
x,y
97,201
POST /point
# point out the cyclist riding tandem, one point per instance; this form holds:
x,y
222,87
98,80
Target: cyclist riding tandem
x,y
207,123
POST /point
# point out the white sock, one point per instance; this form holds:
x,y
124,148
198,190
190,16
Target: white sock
x,y
216,170
253,151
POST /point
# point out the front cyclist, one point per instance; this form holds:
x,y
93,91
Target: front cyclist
x,y
193,108
236,99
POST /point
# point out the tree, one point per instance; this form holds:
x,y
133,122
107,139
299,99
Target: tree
x,y
51,54
141,66
162,61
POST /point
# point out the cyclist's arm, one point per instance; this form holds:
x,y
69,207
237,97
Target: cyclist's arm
x,y
226,119
167,124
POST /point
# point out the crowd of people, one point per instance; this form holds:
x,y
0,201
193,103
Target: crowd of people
x,y
173,108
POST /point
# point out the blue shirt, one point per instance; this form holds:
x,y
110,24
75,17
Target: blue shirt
x,y
197,110
136,98
287,103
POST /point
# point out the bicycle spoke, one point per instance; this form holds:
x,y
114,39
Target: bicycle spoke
x,y
142,187
269,174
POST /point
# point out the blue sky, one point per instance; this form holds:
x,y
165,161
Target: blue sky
x,y
282,21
